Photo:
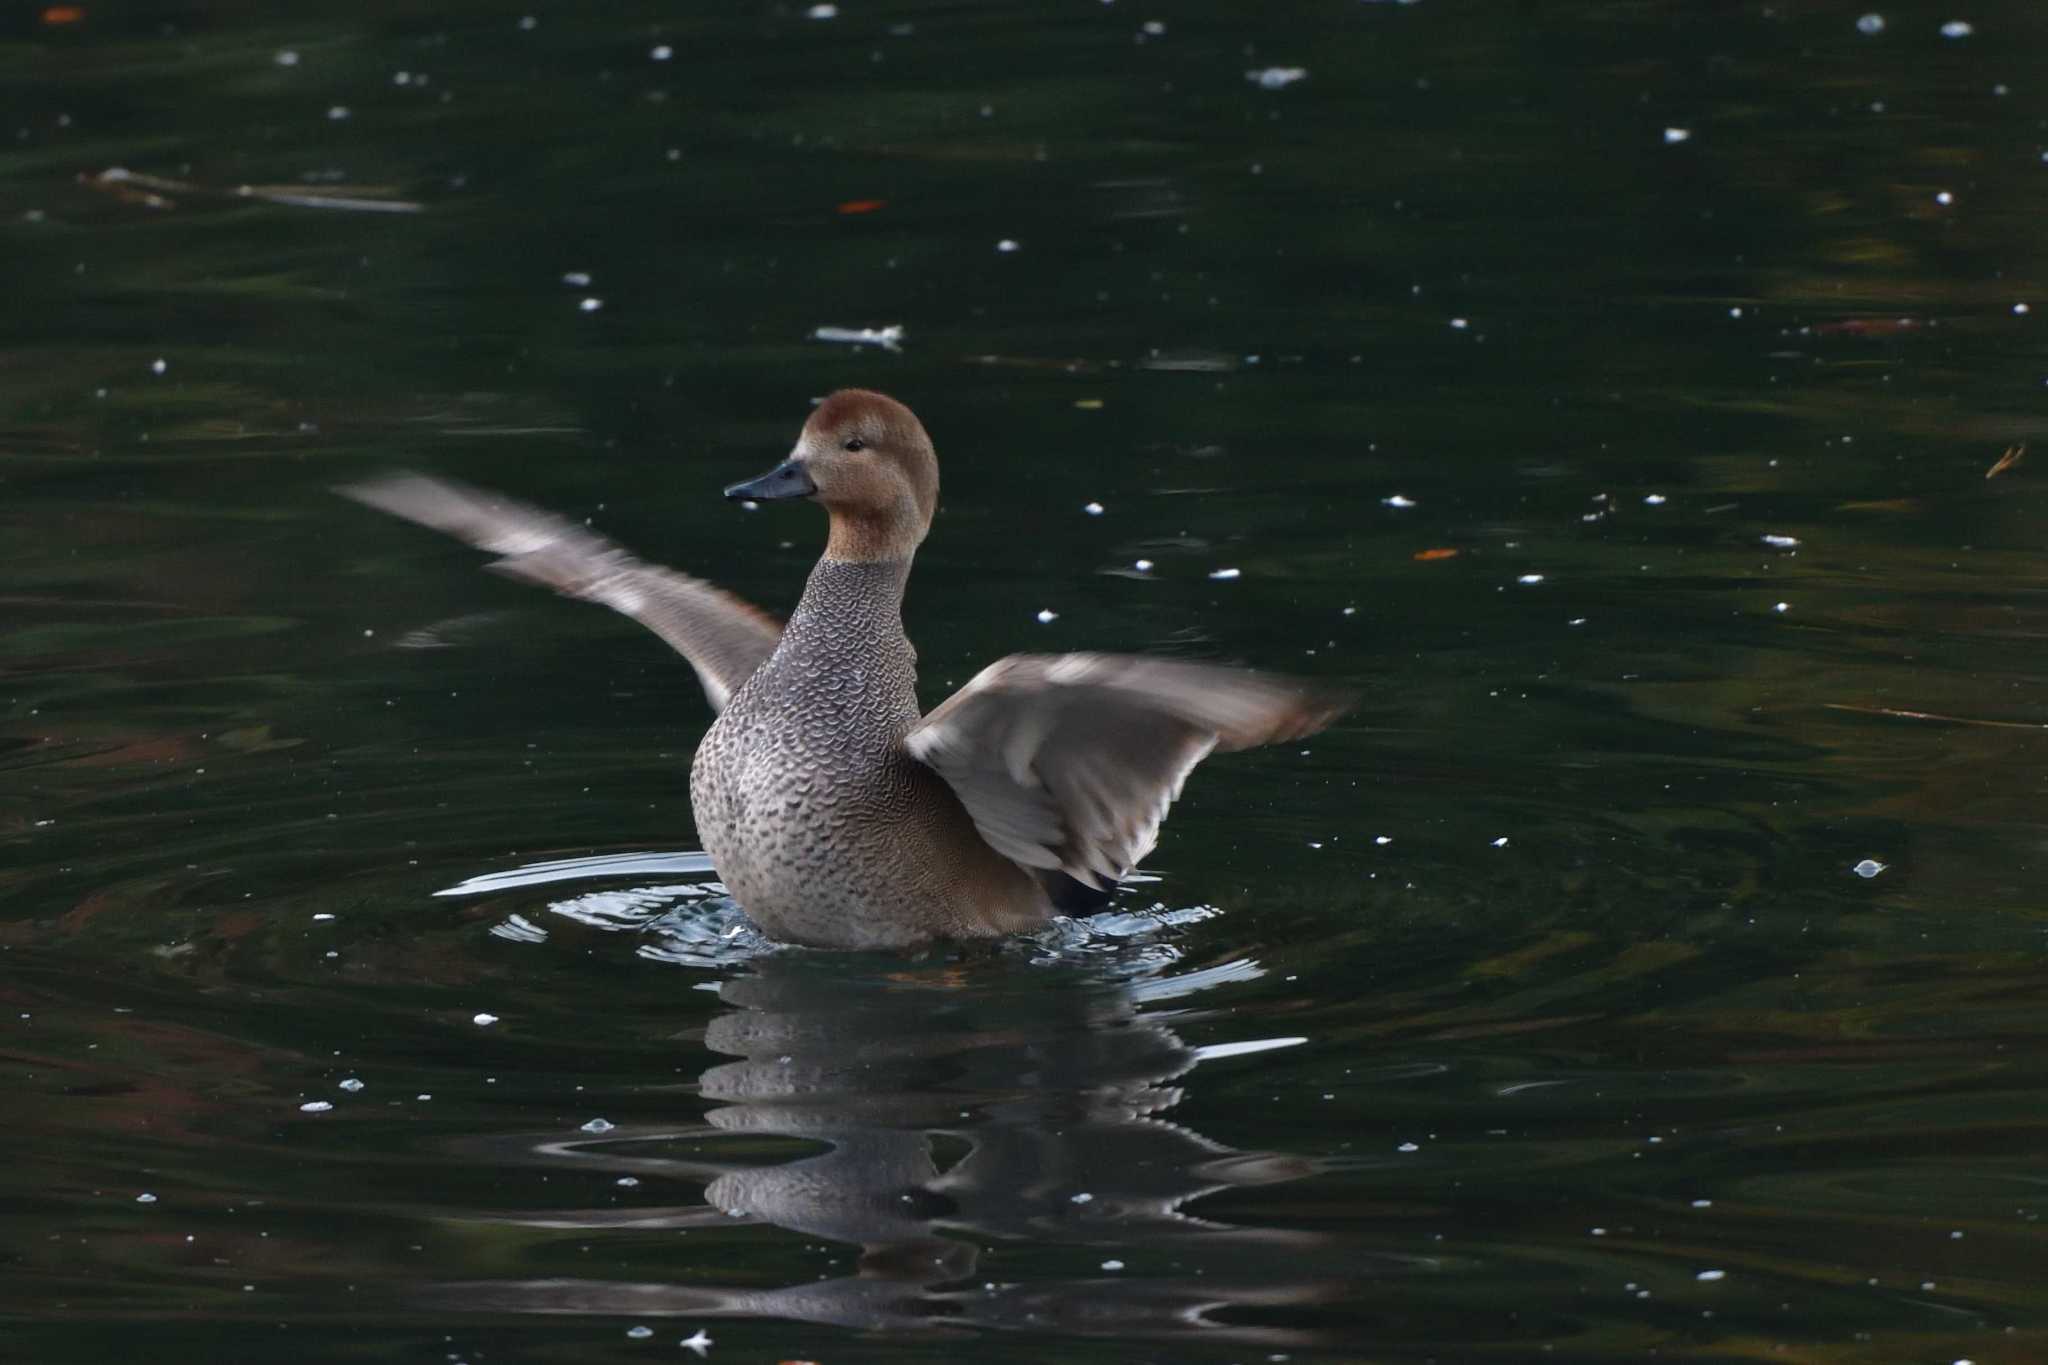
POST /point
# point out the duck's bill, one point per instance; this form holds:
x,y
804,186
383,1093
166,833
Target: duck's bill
x,y
787,480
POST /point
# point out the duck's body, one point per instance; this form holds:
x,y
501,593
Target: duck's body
x,y
817,818
836,814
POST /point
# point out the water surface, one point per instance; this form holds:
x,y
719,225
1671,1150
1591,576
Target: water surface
x,y
1652,964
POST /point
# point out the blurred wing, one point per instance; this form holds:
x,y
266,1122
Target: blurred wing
x,y
1070,761
724,639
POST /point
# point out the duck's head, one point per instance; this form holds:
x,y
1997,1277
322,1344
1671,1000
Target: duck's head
x,y
867,458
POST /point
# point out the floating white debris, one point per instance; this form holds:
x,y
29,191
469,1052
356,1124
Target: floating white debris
x,y
145,1199
590,305
484,1020
1781,542
1143,566
1529,579
701,1342
2021,309
889,338
820,12
1944,198
639,1333
1351,611
1112,1265
1655,499
1958,28
1460,324
337,112
1226,573
315,1107
1869,868
1501,842
599,1126
1276,77
1408,1147
1781,607
1576,621
1673,136
662,52
1046,616
1597,1232
1397,500
576,279
1383,839
527,23
1153,28
1093,509
159,365
1703,1203
1008,244
322,917
423,1097
627,1182
1082,1198
1711,1275
1871,24
351,1084
286,57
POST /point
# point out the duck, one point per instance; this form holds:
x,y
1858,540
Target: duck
x,y
835,811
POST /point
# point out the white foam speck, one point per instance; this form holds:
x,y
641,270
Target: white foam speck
x,y
286,57
599,1126
484,1020
1276,77
576,279
1223,574
1143,566
1958,28
1093,509
822,12
1711,1275
1408,1147
1869,868
1007,245
1673,136
145,1199
590,305
1870,24
662,53
1530,579
1460,324
337,112
1112,1265
315,1107
1046,616
1655,499
1781,542
351,1084
1501,842
1397,500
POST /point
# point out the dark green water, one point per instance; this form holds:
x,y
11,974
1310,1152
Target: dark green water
x,y
1661,1074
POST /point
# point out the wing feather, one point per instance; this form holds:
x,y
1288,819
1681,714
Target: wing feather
x,y
723,638
1070,761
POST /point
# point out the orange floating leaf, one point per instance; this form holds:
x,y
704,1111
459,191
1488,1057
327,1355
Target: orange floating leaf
x,y
861,205
1425,556
2012,456
63,14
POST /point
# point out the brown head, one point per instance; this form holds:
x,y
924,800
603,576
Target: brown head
x,y
867,458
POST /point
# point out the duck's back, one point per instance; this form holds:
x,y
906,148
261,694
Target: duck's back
x,y
820,824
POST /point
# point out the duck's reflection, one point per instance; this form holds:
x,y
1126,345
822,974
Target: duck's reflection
x,y
992,1139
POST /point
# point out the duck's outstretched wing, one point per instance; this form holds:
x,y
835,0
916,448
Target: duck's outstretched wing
x,y
724,639
1069,761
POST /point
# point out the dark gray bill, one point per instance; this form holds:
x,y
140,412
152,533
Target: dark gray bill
x,y
786,480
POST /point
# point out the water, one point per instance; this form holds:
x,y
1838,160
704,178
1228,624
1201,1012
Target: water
x,y
1608,391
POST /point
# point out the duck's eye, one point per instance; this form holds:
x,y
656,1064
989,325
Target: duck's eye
x,y
855,443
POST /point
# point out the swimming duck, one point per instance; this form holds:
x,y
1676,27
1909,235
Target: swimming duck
x,y
838,815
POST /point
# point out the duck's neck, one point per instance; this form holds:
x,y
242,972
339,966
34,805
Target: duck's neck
x,y
854,597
